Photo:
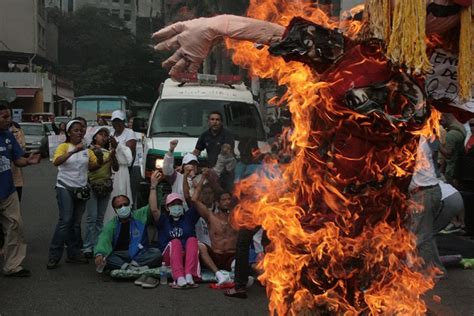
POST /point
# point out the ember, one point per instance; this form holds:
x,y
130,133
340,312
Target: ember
x,y
337,218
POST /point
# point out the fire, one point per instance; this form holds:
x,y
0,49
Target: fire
x,y
337,220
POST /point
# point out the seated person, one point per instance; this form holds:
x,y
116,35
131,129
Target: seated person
x,y
207,197
189,162
223,237
124,239
177,240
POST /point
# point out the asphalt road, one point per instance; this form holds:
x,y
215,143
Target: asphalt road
x,y
78,289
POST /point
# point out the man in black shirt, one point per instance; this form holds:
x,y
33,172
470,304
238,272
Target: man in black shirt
x,y
213,139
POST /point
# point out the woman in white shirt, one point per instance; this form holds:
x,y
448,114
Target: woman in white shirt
x,y
72,161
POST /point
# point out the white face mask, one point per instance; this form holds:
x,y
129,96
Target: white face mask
x,y
123,212
176,211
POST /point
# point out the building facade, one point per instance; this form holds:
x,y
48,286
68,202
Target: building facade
x,y
124,9
28,50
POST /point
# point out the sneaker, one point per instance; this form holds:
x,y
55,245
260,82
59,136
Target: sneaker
x,y
52,264
140,280
150,282
23,273
189,279
77,259
453,229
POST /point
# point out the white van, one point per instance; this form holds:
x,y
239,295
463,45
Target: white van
x,y
182,110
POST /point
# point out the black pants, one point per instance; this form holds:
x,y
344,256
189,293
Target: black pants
x,y
244,239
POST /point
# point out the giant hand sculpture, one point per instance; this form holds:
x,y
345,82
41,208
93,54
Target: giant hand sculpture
x,y
193,39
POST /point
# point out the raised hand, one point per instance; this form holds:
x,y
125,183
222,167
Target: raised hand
x,y
173,144
191,40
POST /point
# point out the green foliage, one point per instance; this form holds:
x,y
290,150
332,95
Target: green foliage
x,y
100,54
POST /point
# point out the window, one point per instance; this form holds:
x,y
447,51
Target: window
x,y
127,1
115,1
127,15
70,6
41,36
189,117
41,8
116,12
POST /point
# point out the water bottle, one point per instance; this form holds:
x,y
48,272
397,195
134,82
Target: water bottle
x,y
163,274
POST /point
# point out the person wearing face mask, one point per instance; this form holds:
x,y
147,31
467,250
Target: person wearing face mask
x,y
177,240
123,242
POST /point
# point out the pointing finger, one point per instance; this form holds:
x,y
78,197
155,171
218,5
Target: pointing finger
x,y
170,62
170,44
168,32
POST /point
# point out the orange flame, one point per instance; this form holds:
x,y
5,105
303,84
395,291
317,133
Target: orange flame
x,y
332,250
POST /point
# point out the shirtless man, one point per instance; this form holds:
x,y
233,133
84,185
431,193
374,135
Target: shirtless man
x,y
223,237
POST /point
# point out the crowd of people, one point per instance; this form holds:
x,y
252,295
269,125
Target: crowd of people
x,y
189,205
186,224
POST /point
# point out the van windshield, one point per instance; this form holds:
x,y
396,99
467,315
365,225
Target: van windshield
x,y
188,117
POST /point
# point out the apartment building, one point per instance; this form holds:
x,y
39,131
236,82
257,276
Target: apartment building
x,y
28,49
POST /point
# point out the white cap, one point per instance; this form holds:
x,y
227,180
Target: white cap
x,y
69,124
189,158
118,114
100,128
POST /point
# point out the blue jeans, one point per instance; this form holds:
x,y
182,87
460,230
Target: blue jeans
x,y
150,257
96,208
68,229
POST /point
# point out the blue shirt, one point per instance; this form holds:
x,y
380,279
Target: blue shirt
x,y
10,151
182,229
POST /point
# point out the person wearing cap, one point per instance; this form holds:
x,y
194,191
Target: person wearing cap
x,y
72,160
10,216
122,134
123,242
103,161
177,240
176,179
124,144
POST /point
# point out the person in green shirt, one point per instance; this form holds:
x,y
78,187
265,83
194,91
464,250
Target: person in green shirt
x,y
123,241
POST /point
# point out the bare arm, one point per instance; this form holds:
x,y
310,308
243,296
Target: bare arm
x,y
200,207
155,178
32,159
132,144
186,190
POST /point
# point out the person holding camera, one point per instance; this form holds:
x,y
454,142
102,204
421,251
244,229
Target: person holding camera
x,y
72,193
100,180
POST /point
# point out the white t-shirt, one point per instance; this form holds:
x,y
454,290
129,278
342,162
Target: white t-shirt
x,y
446,190
72,172
424,174
126,135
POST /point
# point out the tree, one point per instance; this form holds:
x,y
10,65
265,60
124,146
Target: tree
x,y
101,56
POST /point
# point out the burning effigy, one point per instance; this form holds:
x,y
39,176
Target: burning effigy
x,y
337,216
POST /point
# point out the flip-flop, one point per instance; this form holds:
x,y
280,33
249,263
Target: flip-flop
x,y
223,286
184,287
233,292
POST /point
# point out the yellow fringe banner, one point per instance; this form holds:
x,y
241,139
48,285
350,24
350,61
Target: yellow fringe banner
x,y
465,65
407,46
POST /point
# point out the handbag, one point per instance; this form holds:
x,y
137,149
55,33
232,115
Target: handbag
x,y
83,193
101,188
